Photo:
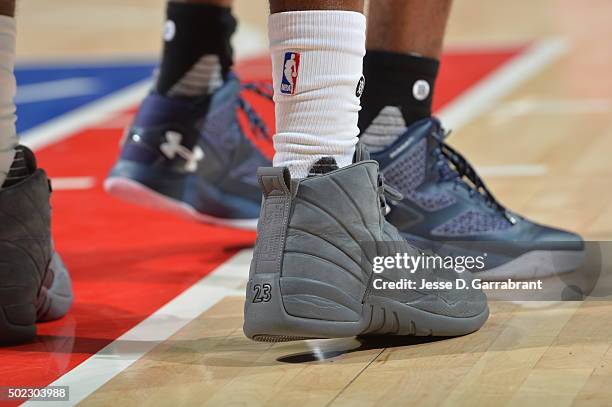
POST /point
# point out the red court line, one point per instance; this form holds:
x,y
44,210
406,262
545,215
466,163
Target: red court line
x,y
127,262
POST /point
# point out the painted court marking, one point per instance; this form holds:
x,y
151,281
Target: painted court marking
x,y
226,280
482,96
71,123
63,88
157,328
72,183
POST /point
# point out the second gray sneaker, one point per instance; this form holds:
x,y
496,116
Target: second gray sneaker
x,y
34,283
312,277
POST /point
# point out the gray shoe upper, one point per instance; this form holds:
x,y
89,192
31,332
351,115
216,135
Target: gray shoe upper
x,y
25,253
34,283
25,237
326,231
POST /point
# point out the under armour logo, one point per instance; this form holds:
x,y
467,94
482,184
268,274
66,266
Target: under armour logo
x,y
173,147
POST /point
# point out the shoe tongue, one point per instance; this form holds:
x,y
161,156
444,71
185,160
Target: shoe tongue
x,y
323,166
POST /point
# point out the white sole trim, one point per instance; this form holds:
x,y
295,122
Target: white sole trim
x,y
136,193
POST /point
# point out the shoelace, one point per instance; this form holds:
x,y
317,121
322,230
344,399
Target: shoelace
x,y
257,125
387,192
461,171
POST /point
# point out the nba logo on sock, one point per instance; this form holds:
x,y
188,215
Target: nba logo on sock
x,y
291,66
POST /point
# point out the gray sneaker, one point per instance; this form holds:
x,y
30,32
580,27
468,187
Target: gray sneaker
x,y
34,283
312,277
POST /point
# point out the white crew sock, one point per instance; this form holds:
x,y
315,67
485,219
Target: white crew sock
x,y
317,97
8,137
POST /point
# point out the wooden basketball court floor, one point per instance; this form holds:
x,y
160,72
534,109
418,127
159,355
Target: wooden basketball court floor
x,y
536,121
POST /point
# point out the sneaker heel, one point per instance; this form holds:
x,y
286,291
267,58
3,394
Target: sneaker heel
x,y
17,317
265,318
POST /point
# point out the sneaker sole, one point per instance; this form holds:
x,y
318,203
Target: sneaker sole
x,y
269,322
55,302
17,315
136,193
533,264
20,310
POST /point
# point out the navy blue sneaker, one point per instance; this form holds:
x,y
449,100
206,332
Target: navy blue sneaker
x,y
447,208
192,158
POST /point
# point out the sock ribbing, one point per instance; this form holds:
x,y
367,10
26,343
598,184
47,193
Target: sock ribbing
x,y
197,55
20,169
317,60
399,92
8,137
